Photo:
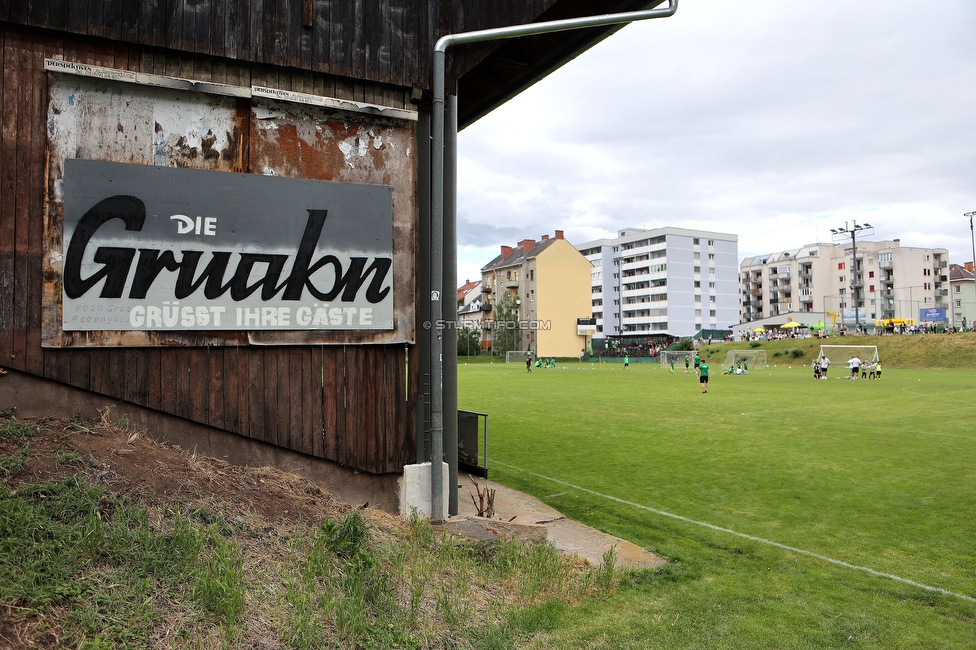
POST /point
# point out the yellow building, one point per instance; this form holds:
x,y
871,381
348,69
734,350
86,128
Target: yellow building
x,y
547,284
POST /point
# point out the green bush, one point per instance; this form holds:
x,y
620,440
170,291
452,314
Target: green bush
x,y
796,353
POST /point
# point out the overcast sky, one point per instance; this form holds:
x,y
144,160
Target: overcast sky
x,y
775,120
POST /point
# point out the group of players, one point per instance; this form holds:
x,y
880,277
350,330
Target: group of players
x,y
857,368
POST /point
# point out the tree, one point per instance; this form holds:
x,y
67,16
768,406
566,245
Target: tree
x,y
468,341
506,334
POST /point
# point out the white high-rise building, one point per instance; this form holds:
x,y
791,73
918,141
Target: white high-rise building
x,y
886,281
663,281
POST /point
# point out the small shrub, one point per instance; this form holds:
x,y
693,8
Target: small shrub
x,y
755,344
796,353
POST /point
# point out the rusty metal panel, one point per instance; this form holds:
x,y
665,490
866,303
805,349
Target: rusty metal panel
x,y
306,141
120,121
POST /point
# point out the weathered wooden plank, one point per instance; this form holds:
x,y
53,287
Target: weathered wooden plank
x,y
342,38
78,16
117,373
90,370
332,401
260,46
237,30
175,36
129,22
17,11
21,45
270,397
229,390
110,23
154,383
218,29
8,149
288,32
214,399
321,36
199,383
197,21
254,424
396,24
314,405
44,45
152,23
279,401
135,367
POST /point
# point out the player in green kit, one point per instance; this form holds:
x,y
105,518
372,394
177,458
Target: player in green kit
x,y
703,376
672,366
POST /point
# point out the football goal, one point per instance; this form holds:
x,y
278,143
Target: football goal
x,y
677,355
747,359
516,356
841,353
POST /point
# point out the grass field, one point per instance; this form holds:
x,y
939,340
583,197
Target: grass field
x,y
795,513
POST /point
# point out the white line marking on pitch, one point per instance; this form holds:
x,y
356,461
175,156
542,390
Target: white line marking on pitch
x,y
761,540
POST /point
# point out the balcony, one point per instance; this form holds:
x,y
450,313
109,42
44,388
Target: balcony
x,y
486,307
940,264
510,284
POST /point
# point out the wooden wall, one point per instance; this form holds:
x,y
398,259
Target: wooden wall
x,y
350,404
389,41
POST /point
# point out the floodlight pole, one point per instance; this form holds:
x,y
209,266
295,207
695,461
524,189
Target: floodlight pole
x,y
855,284
972,238
437,225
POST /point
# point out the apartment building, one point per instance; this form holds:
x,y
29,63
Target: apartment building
x,y
886,280
549,283
663,281
962,292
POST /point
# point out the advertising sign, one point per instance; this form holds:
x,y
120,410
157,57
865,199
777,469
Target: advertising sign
x,y
585,326
932,315
164,248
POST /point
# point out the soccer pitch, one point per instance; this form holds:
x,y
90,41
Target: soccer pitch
x,y
796,513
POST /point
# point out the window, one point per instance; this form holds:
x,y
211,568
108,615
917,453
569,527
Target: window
x,y
956,288
698,284
711,242
840,266
871,275
841,278
711,256
959,303
871,288
694,241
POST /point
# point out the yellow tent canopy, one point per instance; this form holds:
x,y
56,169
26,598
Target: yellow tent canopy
x,y
791,325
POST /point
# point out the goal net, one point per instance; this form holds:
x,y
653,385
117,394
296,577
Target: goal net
x,y
840,354
678,356
516,356
747,359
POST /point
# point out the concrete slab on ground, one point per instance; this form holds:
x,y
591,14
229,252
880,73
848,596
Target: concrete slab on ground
x,y
526,518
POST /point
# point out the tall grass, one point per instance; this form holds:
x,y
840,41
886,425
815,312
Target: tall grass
x,y
105,572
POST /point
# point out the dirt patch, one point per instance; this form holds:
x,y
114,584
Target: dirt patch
x,y
153,473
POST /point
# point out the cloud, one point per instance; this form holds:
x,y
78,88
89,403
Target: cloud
x,y
771,119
